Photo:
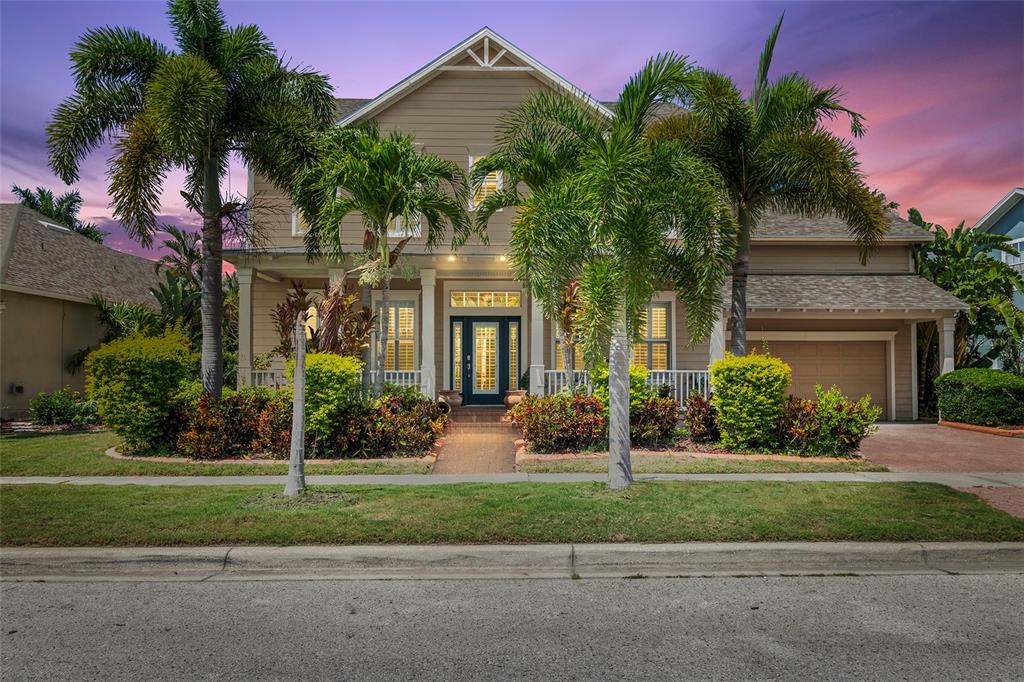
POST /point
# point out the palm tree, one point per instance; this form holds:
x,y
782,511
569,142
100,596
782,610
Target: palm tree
x,y
184,255
773,153
393,186
63,209
224,92
614,213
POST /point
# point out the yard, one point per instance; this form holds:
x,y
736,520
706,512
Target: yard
x,y
57,515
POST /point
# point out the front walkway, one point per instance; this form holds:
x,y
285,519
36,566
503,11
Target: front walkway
x,y
478,442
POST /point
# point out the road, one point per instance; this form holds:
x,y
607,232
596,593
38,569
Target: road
x,y
906,627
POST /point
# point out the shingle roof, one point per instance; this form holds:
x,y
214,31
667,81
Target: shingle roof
x,y
56,261
789,226
846,292
343,106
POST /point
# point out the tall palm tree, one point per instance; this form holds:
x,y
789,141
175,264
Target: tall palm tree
x,y
773,153
224,92
62,208
393,186
615,213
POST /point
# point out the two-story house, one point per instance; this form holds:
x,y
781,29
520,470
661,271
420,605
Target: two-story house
x,y
464,323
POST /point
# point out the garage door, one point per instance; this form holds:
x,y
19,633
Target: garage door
x,y
856,367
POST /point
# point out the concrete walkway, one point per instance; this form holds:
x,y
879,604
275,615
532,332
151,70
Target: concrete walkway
x,y
956,480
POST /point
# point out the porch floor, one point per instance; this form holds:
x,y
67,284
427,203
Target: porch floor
x,y
478,443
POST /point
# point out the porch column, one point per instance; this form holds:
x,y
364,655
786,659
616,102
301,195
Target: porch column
x,y
428,364
716,342
947,350
245,276
536,347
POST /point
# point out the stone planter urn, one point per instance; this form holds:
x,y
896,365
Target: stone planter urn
x,y
453,398
514,397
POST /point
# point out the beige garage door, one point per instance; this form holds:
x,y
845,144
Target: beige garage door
x,y
856,367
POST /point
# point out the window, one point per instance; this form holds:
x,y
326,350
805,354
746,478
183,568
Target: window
x,y
457,356
485,299
299,224
1016,262
513,355
652,350
399,228
400,353
312,321
491,185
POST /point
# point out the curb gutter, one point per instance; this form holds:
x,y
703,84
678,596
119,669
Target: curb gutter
x,y
410,562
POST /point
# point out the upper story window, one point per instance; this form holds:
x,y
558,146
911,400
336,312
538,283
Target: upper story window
x,y
652,351
1016,262
299,224
402,229
491,185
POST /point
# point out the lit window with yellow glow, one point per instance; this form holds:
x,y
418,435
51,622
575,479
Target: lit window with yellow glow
x,y
490,186
299,224
652,350
485,299
400,352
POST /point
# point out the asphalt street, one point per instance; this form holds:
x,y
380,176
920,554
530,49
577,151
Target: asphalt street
x,y
891,627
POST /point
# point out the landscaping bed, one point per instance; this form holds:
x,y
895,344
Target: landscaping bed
x,y
489,513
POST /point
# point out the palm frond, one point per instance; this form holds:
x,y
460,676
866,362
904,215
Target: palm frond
x,y
198,26
137,171
109,56
764,63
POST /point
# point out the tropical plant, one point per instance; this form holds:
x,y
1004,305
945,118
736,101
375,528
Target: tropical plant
x,y
62,209
394,186
344,325
178,299
224,92
774,153
183,255
617,212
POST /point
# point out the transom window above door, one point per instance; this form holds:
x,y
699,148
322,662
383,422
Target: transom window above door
x,y
485,299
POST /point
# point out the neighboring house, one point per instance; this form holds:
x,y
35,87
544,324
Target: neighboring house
x,y
466,324
1007,217
47,276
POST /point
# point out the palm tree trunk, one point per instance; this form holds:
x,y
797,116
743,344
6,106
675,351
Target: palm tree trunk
x,y
620,472
212,299
740,269
385,299
366,300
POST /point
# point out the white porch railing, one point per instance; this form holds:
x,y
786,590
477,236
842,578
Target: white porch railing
x,y
681,382
411,378
275,378
271,378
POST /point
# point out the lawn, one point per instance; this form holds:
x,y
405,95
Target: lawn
x,y
81,454
654,464
62,515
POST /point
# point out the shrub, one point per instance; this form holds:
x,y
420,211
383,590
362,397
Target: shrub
x,y
133,381
830,426
404,424
653,421
639,391
62,407
219,428
333,383
274,427
749,397
700,419
989,397
561,422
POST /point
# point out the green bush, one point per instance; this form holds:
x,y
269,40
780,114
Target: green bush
x,y
333,384
62,407
561,422
639,391
219,428
133,381
829,426
989,397
749,396
654,421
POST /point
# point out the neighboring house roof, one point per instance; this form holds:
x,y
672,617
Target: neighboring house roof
x,y
797,227
1005,205
343,106
846,292
46,259
490,60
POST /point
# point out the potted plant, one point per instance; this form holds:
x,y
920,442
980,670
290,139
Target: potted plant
x,y
453,398
515,396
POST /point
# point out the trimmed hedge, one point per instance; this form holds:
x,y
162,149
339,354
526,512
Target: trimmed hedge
x,y
133,381
988,397
749,398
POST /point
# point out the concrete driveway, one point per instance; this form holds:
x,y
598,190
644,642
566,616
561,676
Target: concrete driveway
x,y
929,447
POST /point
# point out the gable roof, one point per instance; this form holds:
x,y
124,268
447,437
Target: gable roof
x,y
1005,205
787,226
46,259
458,53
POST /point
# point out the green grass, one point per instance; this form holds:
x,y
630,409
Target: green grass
x,y
653,464
64,515
81,454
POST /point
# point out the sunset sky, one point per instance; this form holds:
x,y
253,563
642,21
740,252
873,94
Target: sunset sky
x,y
941,83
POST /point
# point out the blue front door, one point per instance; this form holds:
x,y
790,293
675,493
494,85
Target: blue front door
x,y
485,358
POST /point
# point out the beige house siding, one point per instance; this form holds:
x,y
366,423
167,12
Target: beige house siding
x,y
38,336
265,297
828,258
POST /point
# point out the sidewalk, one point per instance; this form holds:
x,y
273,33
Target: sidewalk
x,y
955,480
407,562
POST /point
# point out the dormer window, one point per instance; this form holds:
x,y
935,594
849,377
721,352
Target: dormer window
x,y
491,185
401,228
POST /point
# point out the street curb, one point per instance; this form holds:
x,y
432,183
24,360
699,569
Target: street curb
x,y
410,562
